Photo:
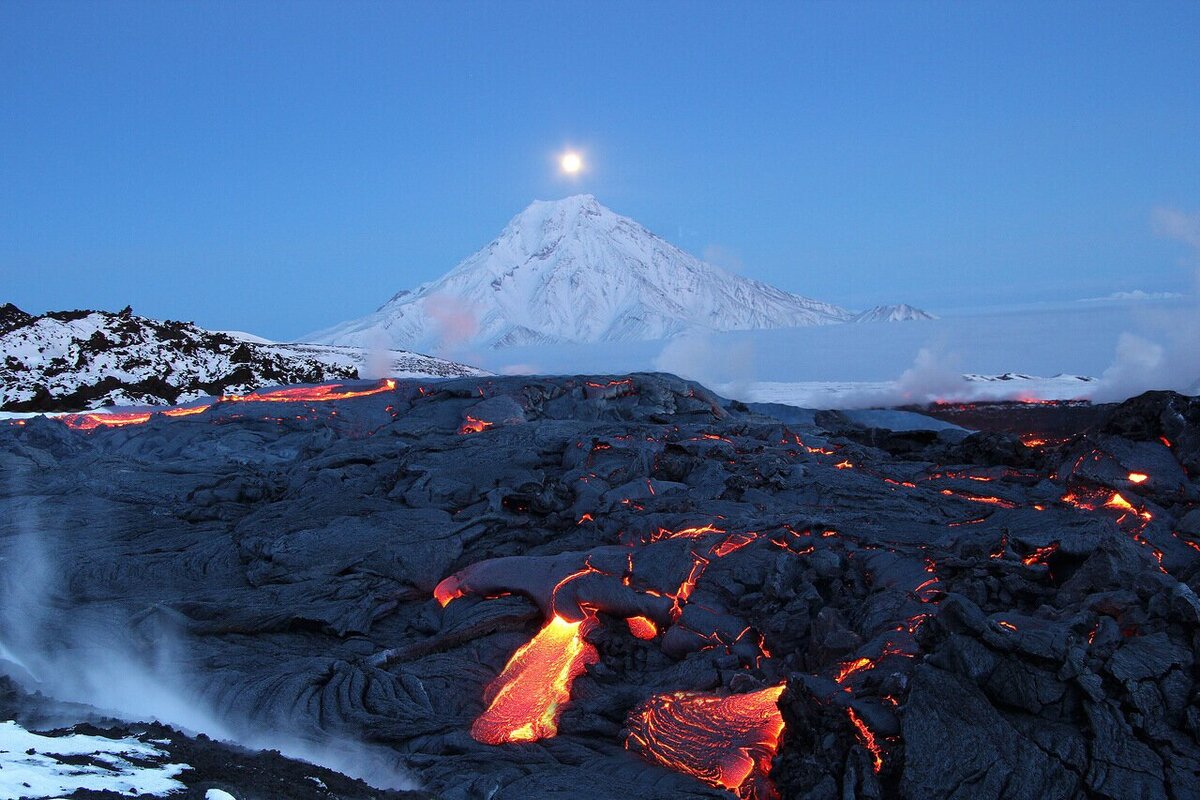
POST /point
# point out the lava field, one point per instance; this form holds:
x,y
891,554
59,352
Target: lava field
x,y
627,587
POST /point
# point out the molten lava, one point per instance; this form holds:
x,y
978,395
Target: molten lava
x,y
1138,477
980,498
849,668
526,699
449,589
642,627
473,425
685,533
867,737
290,394
724,741
303,394
1040,555
88,422
1119,502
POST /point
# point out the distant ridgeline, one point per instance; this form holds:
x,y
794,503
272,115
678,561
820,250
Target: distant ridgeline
x,y
77,360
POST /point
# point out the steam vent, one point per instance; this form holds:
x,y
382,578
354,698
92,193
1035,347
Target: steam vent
x,y
617,587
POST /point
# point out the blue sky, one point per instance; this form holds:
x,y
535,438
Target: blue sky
x,y
279,167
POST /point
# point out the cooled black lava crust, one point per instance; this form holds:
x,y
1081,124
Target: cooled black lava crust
x,y
1018,644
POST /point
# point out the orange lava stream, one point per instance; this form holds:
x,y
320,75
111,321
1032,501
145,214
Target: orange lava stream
x,y
724,741
292,394
526,699
88,422
183,412
301,394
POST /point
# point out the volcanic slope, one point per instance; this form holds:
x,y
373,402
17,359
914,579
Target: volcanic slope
x,y
77,360
572,270
625,587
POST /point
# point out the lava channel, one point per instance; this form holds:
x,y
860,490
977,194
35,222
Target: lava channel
x,y
526,699
727,742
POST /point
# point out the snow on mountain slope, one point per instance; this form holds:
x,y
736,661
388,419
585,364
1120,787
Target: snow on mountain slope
x,y
76,360
573,271
897,313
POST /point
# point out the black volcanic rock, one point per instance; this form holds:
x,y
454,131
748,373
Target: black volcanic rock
x,y
12,317
948,624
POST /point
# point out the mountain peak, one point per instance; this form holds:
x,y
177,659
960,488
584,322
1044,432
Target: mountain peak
x,y
575,205
572,270
893,313
551,218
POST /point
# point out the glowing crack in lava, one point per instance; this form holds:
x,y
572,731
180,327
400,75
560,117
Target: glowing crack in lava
x,y
867,738
726,742
526,699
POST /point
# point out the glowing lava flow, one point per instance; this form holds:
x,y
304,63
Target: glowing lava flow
x,y
301,394
291,394
642,628
724,741
526,699
89,422
473,425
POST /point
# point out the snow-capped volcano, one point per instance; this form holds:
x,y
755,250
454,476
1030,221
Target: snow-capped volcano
x,y
897,313
574,271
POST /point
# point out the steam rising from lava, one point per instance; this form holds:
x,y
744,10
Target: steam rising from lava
x,y
135,669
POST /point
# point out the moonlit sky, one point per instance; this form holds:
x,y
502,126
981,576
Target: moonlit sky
x,y
281,167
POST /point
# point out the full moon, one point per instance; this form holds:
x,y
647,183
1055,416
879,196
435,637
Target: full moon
x,y
571,163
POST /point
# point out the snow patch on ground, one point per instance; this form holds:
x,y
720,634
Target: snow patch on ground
x,y
36,766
